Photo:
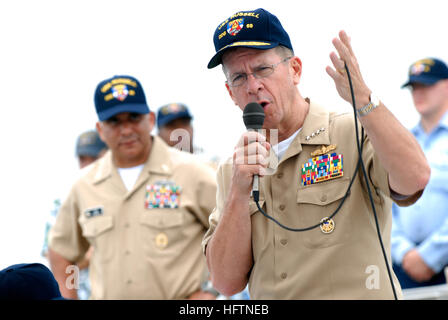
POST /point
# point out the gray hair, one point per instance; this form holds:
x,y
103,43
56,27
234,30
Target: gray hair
x,y
281,50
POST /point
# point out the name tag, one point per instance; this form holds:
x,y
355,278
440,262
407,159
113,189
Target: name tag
x,y
93,212
163,194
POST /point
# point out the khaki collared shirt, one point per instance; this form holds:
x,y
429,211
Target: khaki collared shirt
x,y
139,252
346,263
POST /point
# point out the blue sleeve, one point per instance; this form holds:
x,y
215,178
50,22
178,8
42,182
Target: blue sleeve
x,y
400,244
434,250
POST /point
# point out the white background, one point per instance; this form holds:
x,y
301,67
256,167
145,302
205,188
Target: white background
x,y
53,54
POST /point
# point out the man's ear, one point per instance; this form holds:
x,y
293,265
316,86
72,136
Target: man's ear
x,y
296,65
229,90
152,120
99,128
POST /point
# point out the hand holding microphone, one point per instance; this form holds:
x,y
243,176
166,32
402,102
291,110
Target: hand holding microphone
x,y
252,151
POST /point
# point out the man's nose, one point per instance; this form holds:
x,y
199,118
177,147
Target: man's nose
x,y
254,85
126,127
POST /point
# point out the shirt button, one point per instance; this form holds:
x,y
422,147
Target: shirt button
x,y
280,175
323,198
284,242
129,281
283,275
126,225
127,252
282,207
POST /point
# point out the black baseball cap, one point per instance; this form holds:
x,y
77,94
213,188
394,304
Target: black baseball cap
x,y
28,281
257,29
171,112
427,71
119,94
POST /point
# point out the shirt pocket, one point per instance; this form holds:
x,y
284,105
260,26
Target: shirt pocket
x,y
98,230
162,229
318,201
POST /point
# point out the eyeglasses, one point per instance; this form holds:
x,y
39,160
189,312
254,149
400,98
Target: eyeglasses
x,y
238,79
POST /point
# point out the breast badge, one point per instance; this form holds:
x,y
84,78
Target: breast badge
x,y
327,225
323,150
161,240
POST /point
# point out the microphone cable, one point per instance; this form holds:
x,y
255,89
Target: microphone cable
x,y
256,194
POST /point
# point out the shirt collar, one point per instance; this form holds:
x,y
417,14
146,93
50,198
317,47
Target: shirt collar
x,y
443,124
158,161
314,130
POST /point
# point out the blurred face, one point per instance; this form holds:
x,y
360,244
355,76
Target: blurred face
x,y
178,133
85,160
128,137
429,99
276,93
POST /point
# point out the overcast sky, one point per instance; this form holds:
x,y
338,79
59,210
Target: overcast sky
x,y
53,54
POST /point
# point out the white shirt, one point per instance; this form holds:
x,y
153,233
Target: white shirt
x,y
130,175
282,146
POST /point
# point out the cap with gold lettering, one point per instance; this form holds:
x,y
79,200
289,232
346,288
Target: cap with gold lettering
x,y
427,72
257,29
119,94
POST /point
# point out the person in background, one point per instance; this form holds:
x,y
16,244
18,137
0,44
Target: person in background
x,y
420,232
174,126
143,206
28,281
89,147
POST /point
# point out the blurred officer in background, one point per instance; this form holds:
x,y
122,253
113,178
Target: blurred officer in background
x,y
89,147
420,232
174,126
144,207
28,281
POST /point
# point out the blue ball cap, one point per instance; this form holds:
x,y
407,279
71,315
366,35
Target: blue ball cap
x,y
28,281
257,29
172,111
119,94
427,71
90,144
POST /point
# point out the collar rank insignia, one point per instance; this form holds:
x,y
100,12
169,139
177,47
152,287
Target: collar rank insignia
x,y
322,168
162,195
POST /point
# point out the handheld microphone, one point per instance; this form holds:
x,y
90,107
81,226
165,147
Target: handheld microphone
x,y
253,117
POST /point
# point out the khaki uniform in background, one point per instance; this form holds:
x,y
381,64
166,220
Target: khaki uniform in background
x,y
313,264
141,251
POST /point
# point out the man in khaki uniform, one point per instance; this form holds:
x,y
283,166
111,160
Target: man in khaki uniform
x,y
144,208
341,257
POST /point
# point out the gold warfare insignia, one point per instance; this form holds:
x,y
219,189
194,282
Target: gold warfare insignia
x,y
327,225
161,240
323,150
